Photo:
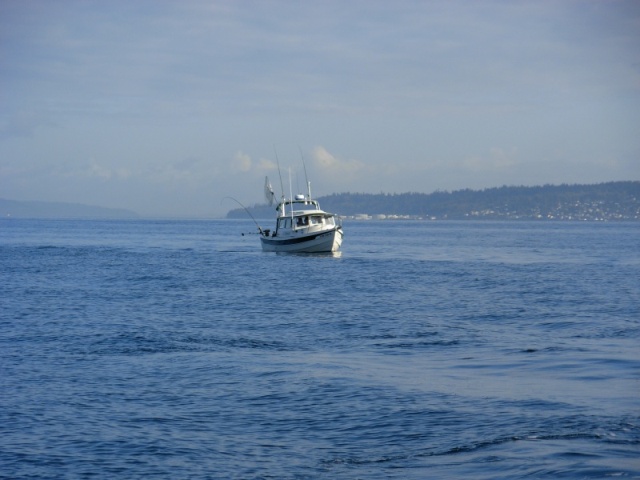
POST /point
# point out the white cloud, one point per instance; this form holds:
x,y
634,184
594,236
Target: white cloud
x,y
329,163
97,170
241,162
264,165
90,169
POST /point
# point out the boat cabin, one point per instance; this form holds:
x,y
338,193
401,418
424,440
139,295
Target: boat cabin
x,y
301,215
299,221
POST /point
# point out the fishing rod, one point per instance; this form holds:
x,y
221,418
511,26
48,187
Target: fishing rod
x,y
248,213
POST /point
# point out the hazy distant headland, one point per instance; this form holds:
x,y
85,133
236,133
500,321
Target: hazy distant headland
x,y
601,202
18,209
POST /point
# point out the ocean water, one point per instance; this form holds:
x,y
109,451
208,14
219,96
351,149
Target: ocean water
x,y
178,349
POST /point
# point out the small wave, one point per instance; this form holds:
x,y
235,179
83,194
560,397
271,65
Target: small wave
x,y
417,345
141,344
460,449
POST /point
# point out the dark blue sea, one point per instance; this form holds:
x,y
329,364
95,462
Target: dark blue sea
x,y
179,350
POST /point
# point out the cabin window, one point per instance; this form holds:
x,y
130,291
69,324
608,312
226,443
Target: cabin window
x,y
302,221
329,221
284,223
316,220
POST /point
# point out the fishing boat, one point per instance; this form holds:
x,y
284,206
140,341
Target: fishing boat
x,y
301,226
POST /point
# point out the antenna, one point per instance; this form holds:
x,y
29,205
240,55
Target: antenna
x,y
291,198
306,179
279,172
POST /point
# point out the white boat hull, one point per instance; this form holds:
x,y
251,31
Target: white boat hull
x,y
316,242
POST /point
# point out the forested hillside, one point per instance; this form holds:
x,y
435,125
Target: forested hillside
x,y
605,201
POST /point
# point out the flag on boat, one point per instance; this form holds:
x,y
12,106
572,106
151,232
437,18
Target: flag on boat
x,y
269,195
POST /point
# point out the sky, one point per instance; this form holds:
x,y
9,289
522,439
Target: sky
x,y
167,107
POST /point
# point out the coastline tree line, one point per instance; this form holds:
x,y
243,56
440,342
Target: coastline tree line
x,y
604,201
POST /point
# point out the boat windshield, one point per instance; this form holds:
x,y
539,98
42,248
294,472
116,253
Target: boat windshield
x,y
305,221
284,222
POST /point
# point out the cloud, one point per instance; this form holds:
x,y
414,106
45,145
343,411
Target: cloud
x,y
88,170
190,173
265,165
241,162
99,171
329,163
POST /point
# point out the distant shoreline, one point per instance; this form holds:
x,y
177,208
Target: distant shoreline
x,y
611,201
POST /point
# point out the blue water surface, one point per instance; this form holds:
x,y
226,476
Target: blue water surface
x,y
177,349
